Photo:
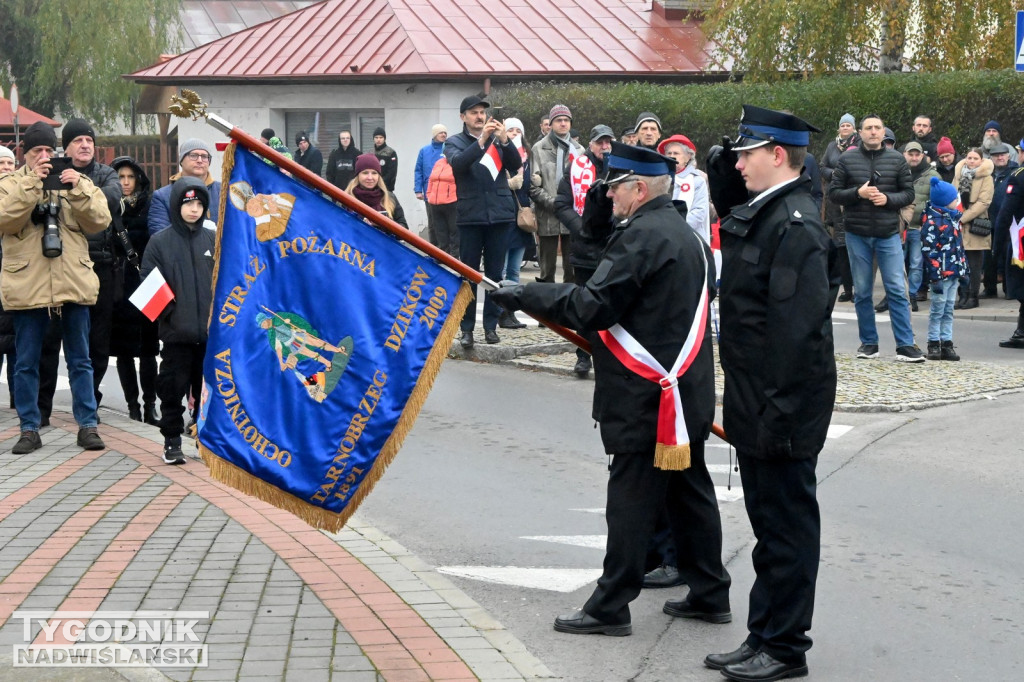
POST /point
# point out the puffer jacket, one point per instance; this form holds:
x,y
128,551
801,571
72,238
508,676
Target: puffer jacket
x,y
185,258
31,280
101,244
976,204
855,167
544,182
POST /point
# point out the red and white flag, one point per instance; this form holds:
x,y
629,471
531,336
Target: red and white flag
x,y
153,295
492,160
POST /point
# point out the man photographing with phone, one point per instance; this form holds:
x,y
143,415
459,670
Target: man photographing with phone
x,y
35,286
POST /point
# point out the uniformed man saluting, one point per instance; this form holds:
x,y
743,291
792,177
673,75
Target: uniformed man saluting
x,y
779,284
645,309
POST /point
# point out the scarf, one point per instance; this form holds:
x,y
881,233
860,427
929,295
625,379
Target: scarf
x,y
374,198
842,144
582,174
966,178
563,145
672,451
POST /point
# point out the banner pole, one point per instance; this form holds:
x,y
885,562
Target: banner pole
x,y
189,106
310,178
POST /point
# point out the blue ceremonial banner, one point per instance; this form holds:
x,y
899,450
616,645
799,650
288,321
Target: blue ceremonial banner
x,y
325,337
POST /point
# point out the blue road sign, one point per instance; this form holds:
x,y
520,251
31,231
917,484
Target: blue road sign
x,y
1019,60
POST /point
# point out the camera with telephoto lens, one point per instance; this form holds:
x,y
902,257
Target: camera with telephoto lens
x,y
46,215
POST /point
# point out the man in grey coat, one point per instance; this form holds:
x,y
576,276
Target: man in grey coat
x,y
550,158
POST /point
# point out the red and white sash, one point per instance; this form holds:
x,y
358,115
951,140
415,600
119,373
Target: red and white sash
x,y
582,174
673,448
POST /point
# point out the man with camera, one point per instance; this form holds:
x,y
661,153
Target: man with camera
x,y
46,209
79,142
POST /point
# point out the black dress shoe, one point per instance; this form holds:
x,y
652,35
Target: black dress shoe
x,y
882,305
135,412
1015,341
582,369
682,608
581,623
719,661
466,340
663,576
491,336
970,303
149,414
845,297
509,320
762,668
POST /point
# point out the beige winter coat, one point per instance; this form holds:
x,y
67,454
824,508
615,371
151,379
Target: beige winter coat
x,y
29,279
982,189
544,184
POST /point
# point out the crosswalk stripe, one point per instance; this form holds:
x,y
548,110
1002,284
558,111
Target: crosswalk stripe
x,y
551,579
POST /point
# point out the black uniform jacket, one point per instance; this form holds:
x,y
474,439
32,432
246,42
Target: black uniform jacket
x,y
778,287
1012,211
649,281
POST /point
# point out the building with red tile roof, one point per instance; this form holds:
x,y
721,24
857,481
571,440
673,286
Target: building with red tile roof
x,y
406,64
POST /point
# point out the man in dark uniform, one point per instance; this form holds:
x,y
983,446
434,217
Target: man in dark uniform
x,y
1008,226
645,309
779,284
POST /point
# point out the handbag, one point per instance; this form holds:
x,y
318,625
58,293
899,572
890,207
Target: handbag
x,y
980,227
526,219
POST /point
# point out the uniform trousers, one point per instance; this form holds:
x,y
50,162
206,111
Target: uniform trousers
x,y
181,368
636,490
780,496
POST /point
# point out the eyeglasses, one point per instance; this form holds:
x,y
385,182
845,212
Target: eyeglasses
x,y
196,156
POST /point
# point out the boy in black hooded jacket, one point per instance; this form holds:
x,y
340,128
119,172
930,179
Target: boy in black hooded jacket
x,y
184,255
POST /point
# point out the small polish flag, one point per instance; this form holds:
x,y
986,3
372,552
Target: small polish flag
x,y
153,295
492,160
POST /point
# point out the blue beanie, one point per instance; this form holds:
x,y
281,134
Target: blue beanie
x,y
993,124
942,193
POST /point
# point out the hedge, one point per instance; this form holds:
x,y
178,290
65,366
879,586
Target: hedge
x,y
960,103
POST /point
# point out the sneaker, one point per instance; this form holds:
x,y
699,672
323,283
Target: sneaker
x,y
89,439
172,451
867,351
948,352
909,354
934,350
28,442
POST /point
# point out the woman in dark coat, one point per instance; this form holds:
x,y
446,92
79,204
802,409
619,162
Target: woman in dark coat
x,y
846,138
134,336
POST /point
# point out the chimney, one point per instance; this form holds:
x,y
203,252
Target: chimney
x,y
681,9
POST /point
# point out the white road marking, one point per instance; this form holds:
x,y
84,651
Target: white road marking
x,y
552,579
725,495
838,315
593,510
590,541
837,430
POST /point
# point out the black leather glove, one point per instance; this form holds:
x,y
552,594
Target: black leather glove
x,y
772,446
508,297
725,183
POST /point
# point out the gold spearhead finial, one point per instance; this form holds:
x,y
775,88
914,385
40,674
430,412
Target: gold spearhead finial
x,y
187,105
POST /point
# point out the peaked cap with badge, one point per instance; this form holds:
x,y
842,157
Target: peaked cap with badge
x,y
625,161
759,127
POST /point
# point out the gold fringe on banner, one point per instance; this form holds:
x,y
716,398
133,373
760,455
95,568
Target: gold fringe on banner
x,y
318,517
672,457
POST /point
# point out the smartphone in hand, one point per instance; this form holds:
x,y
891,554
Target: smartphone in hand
x,y
876,178
58,164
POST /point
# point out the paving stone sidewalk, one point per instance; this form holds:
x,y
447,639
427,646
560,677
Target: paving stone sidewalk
x,y
118,530
882,385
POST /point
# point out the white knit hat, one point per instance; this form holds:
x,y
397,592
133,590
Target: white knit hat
x,y
6,153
